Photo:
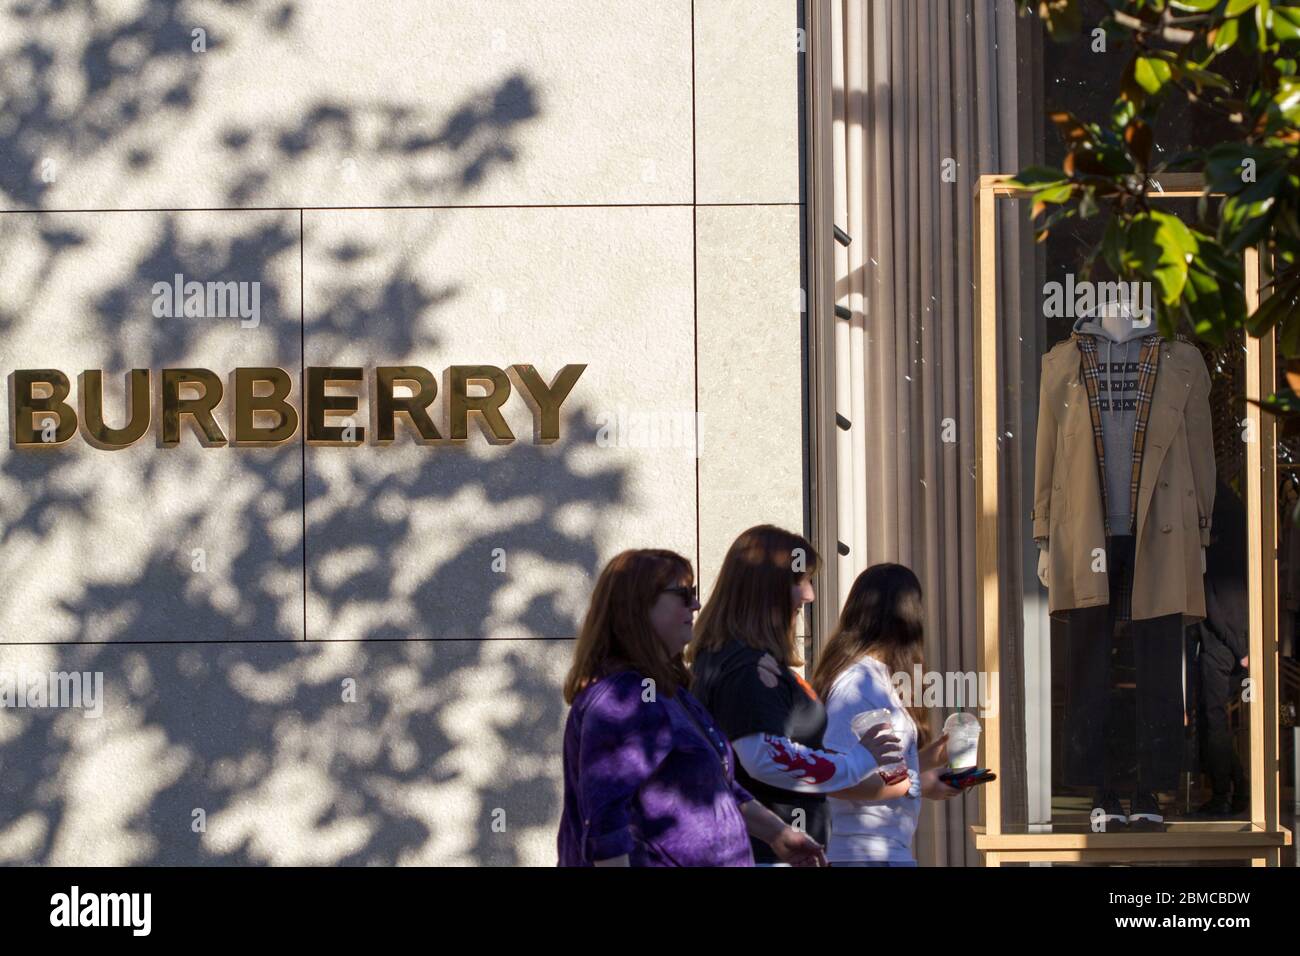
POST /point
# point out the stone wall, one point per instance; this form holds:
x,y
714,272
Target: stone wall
x,y
352,655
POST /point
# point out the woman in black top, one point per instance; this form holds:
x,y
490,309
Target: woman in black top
x,y
742,659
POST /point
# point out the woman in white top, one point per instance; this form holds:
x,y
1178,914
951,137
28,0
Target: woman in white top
x,y
881,632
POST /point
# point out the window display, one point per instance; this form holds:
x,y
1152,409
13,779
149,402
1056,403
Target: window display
x,y
1124,605
1123,494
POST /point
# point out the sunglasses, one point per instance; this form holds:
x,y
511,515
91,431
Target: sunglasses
x,y
687,592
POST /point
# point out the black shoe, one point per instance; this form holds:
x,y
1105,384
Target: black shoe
x,y
1107,813
1144,812
1216,808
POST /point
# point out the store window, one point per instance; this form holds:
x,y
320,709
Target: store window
x,y
1142,712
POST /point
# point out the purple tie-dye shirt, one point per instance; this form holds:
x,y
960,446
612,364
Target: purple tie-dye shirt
x,y
640,779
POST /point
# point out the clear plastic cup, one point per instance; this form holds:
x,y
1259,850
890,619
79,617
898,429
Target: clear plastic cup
x,y
894,772
963,732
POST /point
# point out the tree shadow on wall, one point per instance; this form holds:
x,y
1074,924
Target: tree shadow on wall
x,y
367,747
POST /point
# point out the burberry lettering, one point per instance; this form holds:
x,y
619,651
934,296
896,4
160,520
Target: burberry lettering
x,y
261,412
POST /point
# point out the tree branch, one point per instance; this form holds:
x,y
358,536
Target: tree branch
x,y
1165,30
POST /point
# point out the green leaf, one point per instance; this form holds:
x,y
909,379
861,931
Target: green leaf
x,y
1280,306
1203,306
1214,299
1245,218
1186,69
1151,74
1226,165
1054,195
1255,182
1236,8
1122,113
1284,403
1050,196
1036,177
1225,37
1264,23
1160,246
1286,23
1284,107
1194,6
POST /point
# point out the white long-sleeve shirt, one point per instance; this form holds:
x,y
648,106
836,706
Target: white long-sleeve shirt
x,y
780,762
875,831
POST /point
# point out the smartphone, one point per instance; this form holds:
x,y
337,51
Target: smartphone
x,y
965,779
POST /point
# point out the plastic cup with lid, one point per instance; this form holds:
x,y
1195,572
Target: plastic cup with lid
x,y
963,732
863,722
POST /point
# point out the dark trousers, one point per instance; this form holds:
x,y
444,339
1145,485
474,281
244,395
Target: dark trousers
x,y
1217,665
1091,731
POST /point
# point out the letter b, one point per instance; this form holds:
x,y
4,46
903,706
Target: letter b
x,y
26,405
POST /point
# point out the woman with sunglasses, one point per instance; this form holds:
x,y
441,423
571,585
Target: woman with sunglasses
x,y
742,659
649,780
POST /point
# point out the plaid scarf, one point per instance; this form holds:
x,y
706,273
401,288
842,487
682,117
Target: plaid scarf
x,y
1148,365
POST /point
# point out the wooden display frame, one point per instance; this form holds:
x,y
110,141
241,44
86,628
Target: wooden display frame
x,y
1262,843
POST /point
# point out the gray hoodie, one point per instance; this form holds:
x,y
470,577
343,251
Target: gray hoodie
x,y
1117,360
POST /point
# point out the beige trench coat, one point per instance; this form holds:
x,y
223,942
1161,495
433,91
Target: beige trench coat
x,y
1175,493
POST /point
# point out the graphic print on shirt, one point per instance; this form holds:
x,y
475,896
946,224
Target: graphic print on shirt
x,y
1117,390
806,766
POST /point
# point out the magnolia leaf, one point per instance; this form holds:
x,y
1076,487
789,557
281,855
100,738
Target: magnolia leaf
x,y
1286,23
1282,305
1138,138
1036,177
1159,246
1284,403
1285,104
1151,73
1225,37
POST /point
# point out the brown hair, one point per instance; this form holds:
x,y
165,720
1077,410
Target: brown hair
x,y
751,600
884,618
616,634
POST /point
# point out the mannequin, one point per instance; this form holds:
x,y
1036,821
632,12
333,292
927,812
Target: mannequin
x,y
1119,322
1124,490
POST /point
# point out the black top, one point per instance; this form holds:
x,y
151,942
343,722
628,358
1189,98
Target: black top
x,y
745,699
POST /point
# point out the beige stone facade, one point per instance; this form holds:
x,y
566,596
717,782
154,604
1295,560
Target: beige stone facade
x,y
333,655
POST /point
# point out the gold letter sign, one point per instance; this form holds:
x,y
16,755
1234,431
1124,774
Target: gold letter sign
x,y
262,414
